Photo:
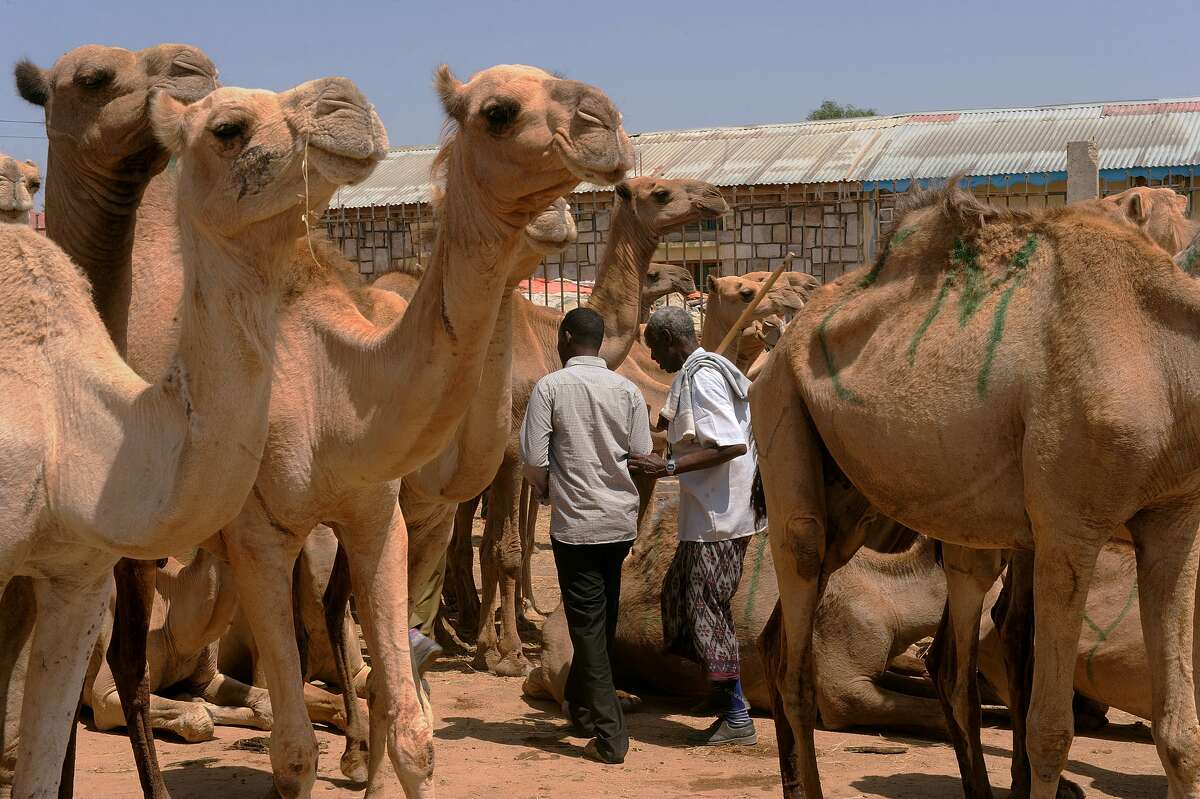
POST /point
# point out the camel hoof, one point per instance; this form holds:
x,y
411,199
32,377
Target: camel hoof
x,y
629,702
535,685
1068,790
513,665
354,764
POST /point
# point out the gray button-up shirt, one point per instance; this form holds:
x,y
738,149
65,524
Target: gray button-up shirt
x,y
583,422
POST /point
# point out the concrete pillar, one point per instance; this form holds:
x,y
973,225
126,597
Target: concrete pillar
x,y
1083,171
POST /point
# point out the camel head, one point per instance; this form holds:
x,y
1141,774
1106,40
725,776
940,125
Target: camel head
x,y
525,137
728,297
661,204
97,105
552,230
252,156
1158,212
19,181
663,279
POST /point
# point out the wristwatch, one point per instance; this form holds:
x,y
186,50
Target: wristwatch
x,y
670,465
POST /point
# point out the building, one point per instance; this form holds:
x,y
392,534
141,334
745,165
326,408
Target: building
x,y
822,190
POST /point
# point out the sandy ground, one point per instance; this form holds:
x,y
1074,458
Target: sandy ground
x,y
492,742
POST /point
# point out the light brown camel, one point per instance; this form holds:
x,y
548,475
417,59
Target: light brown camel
x,y
969,386
345,424
646,208
103,153
19,182
663,279
872,611
195,683
141,469
1159,212
729,296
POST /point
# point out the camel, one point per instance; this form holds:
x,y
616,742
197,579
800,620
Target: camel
x,y
663,279
194,606
728,297
863,385
646,208
103,154
143,469
345,424
19,182
1159,212
872,611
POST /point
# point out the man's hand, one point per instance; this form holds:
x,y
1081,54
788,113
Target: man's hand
x,y
648,465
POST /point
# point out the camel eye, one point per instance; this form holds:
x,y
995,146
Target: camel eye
x,y
661,195
500,115
34,185
653,275
747,294
93,78
228,131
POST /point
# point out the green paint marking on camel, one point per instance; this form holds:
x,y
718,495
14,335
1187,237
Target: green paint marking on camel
x,y
842,392
974,289
1015,273
929,317
895,241
760,550
1103,633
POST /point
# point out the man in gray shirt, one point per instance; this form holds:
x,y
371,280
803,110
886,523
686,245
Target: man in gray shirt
x,y
581,427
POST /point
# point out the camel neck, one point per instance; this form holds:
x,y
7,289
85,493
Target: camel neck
x,y
220,376
202,600
92,216
617,295
441,343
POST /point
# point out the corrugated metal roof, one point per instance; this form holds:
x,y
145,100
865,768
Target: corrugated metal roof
x,y
1005,141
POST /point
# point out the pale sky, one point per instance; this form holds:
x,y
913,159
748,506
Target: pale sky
x,y
666,64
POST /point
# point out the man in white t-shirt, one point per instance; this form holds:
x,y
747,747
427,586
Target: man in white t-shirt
x,y
707,419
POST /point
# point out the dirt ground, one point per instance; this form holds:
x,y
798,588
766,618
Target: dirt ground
x,y
491,742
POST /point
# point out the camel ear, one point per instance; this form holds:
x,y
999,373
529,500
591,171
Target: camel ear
x,y
623,191
449,89
712,283
167,117
1181,202
1135,209
32,82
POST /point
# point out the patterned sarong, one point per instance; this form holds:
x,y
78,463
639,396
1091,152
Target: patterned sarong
x,y
697,602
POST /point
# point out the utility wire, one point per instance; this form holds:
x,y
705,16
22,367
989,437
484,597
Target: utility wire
x,y
23,121
40,138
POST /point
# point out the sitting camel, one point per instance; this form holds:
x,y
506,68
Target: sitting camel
x,y
872,611
205,665
19,182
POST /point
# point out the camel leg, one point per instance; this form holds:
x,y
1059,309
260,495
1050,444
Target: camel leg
x,y
513,662
188,720
336,600
1063,564
127,658
528,520
793,481
69,619
261,557
952,660
399,718
17,613
500,506
1166,547
460,571
1013,616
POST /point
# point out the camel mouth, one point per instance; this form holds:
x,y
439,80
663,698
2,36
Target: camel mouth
x,y
14,215
608,173
340,166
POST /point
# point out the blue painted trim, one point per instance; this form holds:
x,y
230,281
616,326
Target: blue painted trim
x,y
1032,178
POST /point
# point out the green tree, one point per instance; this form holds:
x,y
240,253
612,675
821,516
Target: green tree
x,y
832,109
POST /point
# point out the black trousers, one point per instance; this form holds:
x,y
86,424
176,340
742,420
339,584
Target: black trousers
x,y
589,577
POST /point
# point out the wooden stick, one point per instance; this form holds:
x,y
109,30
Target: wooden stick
x,y
736,330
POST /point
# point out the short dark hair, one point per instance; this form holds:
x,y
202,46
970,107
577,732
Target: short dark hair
x,y
585,326
673,322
